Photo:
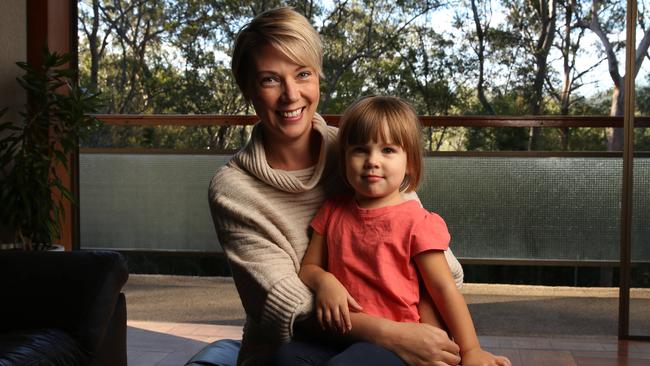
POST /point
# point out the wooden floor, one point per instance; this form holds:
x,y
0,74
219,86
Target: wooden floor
x,y
171,318
533,351
171,344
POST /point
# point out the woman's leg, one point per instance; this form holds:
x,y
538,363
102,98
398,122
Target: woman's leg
x,y
220,353
301,353
365,353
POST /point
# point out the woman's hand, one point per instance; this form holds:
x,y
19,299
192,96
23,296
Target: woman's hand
x,y
333,304
479,357
420,344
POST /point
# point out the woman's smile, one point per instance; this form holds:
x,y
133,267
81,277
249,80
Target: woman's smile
x,y
294,115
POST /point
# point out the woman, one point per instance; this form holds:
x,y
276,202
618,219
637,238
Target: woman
x,y
263,199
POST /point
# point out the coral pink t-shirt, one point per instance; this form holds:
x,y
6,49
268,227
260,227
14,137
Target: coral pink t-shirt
x,y
371,252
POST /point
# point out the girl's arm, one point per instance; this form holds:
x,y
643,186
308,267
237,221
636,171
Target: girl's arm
x,y
418,344
451,305
332,298
427,310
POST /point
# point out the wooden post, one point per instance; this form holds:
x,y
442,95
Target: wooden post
x,y
53,23
628,182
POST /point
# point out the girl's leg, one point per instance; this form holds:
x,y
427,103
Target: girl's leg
x,y
365,353
301,353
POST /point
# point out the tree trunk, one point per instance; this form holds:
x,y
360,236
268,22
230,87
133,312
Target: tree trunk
x,y
615,134
480,34
547,18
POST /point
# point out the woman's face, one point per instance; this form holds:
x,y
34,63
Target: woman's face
x,y
284,94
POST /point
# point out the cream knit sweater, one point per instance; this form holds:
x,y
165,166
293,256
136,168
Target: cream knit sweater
x,y
262,217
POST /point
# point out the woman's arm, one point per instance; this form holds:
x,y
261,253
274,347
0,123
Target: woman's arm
x,y
267,282
264,264
453,308
418,344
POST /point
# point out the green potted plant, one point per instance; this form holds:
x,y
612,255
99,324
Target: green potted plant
x,y
55,116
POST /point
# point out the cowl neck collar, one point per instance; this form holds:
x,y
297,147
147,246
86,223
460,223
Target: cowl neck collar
x,y
252,158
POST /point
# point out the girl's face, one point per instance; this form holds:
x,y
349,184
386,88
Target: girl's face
x,y
284,94
375,170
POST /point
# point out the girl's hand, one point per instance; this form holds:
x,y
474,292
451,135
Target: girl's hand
x,y
479,357
333,304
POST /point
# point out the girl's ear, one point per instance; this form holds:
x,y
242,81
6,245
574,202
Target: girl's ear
x,y
405,182
409,168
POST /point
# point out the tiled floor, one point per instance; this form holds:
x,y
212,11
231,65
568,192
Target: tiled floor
x,y
172,344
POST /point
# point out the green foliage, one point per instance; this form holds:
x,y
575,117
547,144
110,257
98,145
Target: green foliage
x,y
172,57
55,115
642,135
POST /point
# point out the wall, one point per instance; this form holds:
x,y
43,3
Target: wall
x,y
13,43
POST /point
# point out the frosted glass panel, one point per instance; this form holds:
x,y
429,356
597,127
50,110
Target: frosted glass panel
x,y
495,207
535,208
639,321
151,202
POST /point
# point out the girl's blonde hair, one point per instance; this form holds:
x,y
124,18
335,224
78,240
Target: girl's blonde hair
x,y
284,29
388,119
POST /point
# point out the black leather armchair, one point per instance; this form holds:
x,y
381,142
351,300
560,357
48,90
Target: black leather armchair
x,y
62,308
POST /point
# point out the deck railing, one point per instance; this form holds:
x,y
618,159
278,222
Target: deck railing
x,y
532,207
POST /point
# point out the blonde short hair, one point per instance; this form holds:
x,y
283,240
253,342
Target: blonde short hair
x,y
384,118
284,29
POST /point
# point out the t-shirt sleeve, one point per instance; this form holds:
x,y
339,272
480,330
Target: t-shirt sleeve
x,y
320,221
429,233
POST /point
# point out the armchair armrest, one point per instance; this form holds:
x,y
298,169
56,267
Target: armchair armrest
x,y
73,291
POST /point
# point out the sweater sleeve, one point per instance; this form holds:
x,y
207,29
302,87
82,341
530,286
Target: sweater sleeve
x,y
265,270
269,288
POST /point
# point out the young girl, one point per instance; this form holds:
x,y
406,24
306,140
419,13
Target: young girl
x,y
367,249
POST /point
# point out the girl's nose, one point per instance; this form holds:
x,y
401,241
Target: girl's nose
x,y
371,160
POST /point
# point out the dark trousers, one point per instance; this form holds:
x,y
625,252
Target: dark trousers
x,y
300,353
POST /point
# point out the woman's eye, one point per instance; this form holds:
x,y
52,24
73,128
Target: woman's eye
x,y
268,80
304,74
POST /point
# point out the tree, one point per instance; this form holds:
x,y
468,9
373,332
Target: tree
x,y
480,49
170,56
356,37
568,43
535,21
605,18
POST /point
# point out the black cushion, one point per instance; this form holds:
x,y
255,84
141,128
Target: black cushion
x,y
72,291
71,297
40,347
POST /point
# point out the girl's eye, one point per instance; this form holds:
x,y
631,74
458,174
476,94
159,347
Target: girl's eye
x,y
357,150
388,150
